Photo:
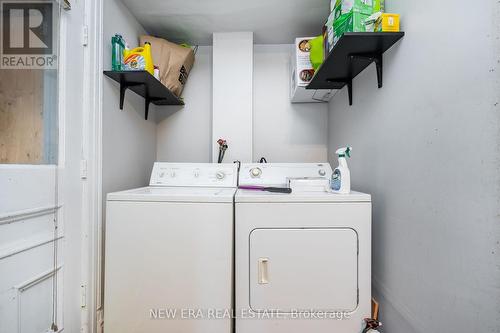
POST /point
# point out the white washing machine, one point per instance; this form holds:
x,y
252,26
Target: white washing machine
x,y
303,260
169,251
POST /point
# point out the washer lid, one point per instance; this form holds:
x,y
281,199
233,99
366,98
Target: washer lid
x,y
261,196
174,194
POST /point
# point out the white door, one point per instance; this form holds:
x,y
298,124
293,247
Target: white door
x,y
303,269
28,210
40,194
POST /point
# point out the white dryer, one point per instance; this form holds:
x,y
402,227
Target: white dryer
x,y
303,260
169,251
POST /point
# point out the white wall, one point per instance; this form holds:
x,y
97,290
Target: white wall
x,y
426,147
232,94
184,133
282,132
129,141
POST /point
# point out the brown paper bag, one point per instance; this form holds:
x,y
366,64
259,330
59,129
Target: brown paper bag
x,y
174,62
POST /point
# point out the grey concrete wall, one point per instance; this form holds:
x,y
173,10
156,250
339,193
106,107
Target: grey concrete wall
x,y
426,146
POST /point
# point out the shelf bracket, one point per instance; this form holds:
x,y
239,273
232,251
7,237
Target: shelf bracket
x,y
123,88
372,57
349,91
146,107
345,82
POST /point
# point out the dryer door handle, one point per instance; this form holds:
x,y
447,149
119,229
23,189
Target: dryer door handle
x,y
263,272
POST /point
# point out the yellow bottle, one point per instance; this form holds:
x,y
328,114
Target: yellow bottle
x,y
139,59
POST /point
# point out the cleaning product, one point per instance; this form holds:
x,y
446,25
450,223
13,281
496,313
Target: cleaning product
x,y
316,53
139,59
382,22
371,21
341,177
348,16
302,72
117,48
358,6
388,23
328,34
157,72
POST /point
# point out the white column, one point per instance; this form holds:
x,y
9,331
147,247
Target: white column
x,y
232,94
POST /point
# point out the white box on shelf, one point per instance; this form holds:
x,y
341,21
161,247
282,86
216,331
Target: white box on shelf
x,y
302,72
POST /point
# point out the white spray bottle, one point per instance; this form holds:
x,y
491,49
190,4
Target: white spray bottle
x,y
341,176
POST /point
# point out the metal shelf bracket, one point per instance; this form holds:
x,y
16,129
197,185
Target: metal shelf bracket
x,y
123,88
372,57
147,100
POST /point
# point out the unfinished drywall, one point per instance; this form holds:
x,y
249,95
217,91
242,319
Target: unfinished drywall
x,y
282,132
426,147
129,141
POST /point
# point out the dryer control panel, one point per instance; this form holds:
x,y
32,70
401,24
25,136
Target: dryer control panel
x,y
279,173
194,174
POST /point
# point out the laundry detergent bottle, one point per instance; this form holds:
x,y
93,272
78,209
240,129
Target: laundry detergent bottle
x,y
341,176
139,58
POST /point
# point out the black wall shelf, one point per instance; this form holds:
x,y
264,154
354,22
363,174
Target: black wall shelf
x,y
353,52
145,85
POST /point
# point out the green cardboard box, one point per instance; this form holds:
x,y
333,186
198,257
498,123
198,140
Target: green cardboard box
x,y
358,6
366,7
350,22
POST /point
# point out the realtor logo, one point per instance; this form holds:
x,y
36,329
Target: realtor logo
x,y
27,35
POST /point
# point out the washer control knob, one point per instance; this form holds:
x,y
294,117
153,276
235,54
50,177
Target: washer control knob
x,y
255,172
172,174
322,172
220,175
196,173
162,174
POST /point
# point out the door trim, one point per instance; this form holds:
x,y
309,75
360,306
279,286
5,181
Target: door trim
x,y
92,236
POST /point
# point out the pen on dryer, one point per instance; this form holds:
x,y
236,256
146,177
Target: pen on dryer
x,y
266,188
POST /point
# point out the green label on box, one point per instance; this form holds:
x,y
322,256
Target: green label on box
x,y
350,22
360,6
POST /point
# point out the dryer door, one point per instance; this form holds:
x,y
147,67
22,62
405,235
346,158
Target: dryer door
x,y
304,270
